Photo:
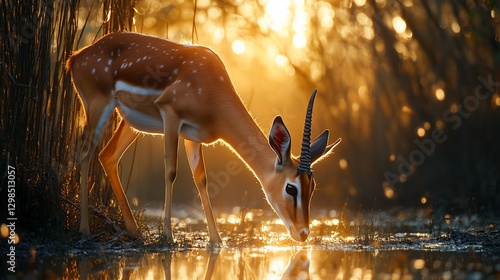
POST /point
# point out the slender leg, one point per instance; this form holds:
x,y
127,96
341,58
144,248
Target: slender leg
x,y
110,157
212,260
195,157
92,133
171,132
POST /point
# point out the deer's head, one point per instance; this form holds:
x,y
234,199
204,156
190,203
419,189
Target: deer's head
x,y
290,189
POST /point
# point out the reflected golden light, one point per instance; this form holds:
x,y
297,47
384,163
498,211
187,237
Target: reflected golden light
x,y
355,106
421,132
423,200
135,201
440,124
278,222
343,164
493,13
276,267
233,219
392,157
447,218
238,47
249,216
399,24
419,264
439,94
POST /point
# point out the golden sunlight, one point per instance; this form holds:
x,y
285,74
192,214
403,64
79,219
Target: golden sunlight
x,y
343,164
238,47
399,24
277,14
4,231
497,100
439,94
421,132
299,40
388,191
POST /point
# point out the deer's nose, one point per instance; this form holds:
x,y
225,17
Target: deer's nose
x,y
304,233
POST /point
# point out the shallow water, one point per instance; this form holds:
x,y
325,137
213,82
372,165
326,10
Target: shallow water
x,y
376,248
310,262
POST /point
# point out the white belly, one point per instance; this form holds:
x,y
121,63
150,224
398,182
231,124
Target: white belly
x,y
140,121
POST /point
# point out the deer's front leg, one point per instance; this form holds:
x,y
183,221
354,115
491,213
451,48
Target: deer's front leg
x,y
171,131
195,158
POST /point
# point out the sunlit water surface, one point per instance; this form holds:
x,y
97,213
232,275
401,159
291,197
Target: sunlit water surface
x,y
378,248
311,262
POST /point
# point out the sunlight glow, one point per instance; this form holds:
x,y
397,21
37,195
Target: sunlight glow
x,y
455,27
238,47
277,14
281,60
326,15
419,264
343,164
439,94
496,99
299,40
360,3
4,231
421,132
399,24
388,191
249,216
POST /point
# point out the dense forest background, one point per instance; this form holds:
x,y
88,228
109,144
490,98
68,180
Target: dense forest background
x,y
411,86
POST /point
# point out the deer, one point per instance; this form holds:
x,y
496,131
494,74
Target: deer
x,y
183,91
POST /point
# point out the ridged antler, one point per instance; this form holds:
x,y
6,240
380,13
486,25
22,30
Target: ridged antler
x,y
305,153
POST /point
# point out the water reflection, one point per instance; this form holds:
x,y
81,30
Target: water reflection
x,y
312,262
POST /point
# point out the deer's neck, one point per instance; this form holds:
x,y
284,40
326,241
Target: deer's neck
x,y
249,142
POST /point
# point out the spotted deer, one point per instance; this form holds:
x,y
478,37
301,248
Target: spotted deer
x,y
176,90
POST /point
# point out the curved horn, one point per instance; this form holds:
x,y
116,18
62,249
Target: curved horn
x,y
305,152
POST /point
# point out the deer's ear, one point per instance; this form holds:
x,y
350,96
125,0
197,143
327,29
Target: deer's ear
x,y
319,150
280,141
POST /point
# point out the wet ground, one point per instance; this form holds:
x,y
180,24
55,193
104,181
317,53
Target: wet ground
x,y
370,246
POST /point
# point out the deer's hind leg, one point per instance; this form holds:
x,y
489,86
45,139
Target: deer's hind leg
x,y
109,157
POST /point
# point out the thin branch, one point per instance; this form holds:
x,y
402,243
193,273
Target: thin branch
x,y
98,213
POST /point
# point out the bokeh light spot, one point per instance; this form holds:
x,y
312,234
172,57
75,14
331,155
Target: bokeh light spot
x,y
238,47
399,24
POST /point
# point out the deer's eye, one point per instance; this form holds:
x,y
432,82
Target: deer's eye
x,y
291,190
